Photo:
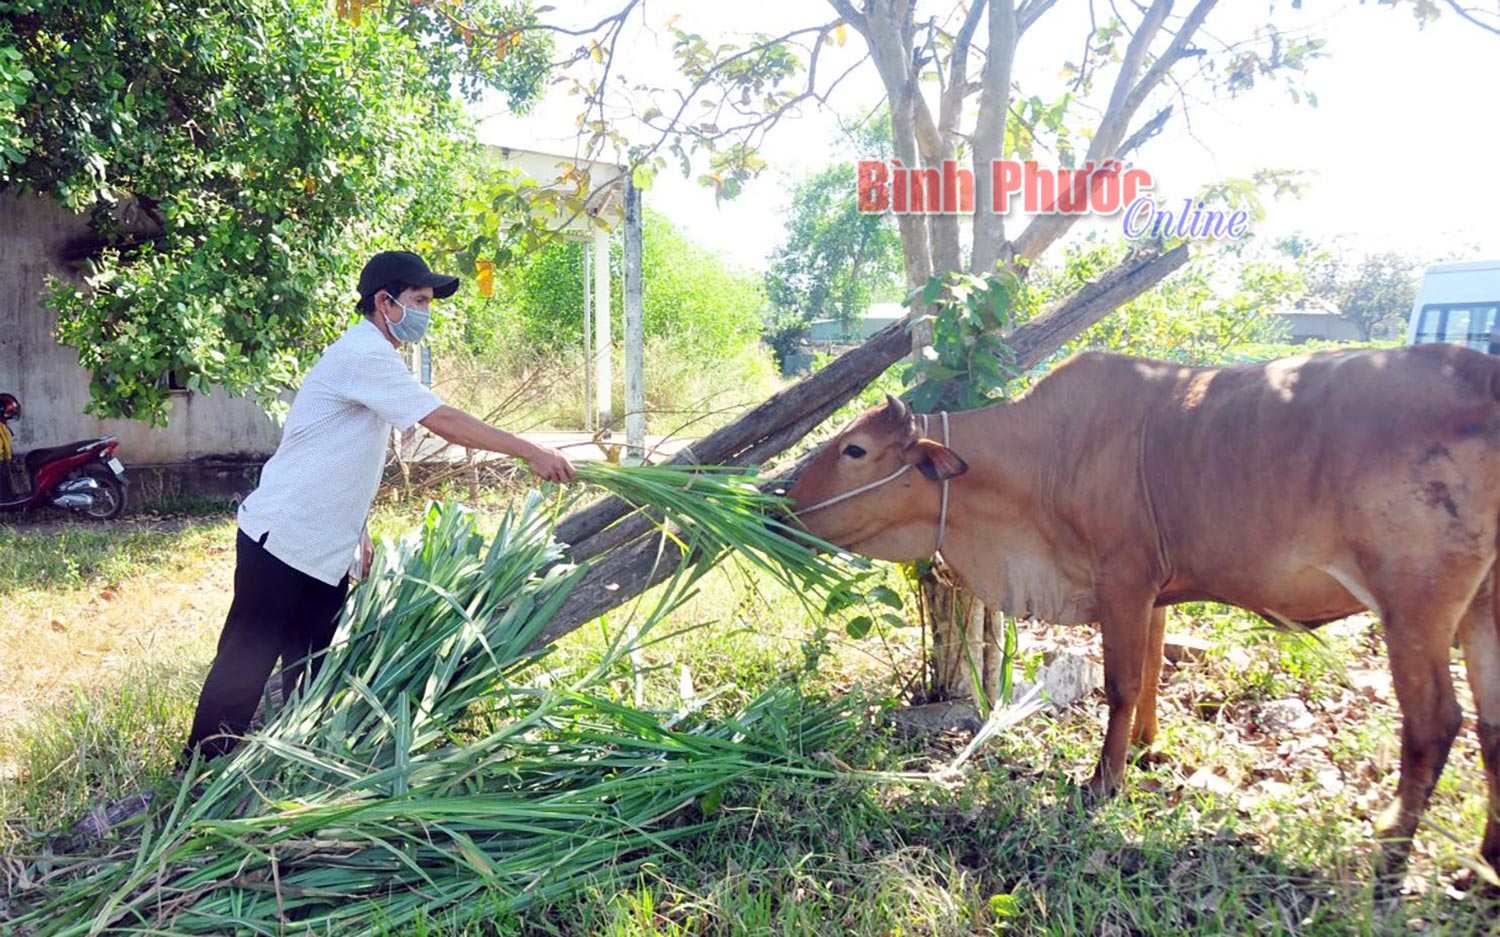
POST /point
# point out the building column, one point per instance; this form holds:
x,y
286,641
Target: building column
x,y
635,329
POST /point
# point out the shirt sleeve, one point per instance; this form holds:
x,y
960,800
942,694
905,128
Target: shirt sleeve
x,y
383,384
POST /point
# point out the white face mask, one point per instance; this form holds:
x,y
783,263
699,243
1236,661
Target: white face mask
x,y
413,324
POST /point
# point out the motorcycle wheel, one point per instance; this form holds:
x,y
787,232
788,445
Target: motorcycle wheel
x,y
109,500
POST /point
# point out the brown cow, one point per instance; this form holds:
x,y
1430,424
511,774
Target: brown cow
x,y
1304,489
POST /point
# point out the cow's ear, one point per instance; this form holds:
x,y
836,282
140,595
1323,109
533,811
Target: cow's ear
x,y
935,460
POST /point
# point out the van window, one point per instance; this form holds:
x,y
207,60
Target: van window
x,y
1476,325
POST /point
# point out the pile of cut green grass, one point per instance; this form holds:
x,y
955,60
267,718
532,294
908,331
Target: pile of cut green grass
x,y
426,772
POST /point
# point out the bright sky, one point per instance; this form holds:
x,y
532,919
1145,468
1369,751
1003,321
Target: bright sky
x,y
1398,149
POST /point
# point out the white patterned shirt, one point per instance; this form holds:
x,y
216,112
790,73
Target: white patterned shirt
x,y
315,492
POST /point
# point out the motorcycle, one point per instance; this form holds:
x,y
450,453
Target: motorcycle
x,y
83,476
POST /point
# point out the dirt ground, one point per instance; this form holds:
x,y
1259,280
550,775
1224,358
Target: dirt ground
x,y
57,639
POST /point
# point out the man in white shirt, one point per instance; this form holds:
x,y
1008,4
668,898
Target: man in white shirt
x,y
300,528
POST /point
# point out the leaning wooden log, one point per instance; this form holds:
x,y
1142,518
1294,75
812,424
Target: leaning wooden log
x,y
771,427
629,566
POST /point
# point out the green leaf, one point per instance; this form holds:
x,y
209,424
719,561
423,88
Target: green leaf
x,y
859,626
841,599
887,596
925,397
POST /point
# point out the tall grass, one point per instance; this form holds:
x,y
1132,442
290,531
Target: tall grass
x,y
431,769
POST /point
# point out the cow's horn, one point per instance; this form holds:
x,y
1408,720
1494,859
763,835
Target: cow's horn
x,y
897,410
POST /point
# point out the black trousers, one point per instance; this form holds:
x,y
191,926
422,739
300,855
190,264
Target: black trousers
x,y
277,613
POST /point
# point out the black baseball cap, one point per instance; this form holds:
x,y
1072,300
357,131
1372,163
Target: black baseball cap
x,y
390,268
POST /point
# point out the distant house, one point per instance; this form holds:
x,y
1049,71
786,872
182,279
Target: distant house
x,y
1317,321
829,336
1317,324
826,333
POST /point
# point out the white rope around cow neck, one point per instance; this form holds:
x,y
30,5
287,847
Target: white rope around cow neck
x,y
942,510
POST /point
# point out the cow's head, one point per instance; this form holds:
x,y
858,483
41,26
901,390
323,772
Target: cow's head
x,y
895,516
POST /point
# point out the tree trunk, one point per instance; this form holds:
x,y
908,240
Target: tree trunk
x,y
967,653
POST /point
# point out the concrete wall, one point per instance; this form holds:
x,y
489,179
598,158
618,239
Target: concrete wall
x,y
53,389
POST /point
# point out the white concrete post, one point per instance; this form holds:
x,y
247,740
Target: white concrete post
x,y
601,327
635,329
588,345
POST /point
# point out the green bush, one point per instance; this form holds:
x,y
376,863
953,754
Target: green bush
x,y
689,293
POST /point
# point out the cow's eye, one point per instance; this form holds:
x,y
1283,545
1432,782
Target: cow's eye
x,y
854,452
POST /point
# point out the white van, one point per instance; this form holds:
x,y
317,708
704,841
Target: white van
x,y
1459,303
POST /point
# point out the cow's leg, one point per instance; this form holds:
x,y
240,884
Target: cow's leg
x,y
1480,632
1125,624
1144,732
1419,630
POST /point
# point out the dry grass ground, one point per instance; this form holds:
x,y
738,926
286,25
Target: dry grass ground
x,y
84,603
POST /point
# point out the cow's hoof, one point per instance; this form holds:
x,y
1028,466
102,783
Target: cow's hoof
x,y
1483,885
1147,758
1390,869
1100,788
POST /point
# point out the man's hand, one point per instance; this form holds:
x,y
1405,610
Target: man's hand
x,y
550,464
366,553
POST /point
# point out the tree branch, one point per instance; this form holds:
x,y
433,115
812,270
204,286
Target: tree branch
x,y
852,16
1469,15
709,74
1030,12
950,108
1125,99
989,137
1175,52
1145,132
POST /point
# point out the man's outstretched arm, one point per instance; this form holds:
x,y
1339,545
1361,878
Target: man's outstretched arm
x,y
463,429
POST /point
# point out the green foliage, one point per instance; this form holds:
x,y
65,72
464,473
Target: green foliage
x,y
1033,117
783,331
15,87
1247,193
693,293
690,294
1215,304
386,758
545,289
237,161
1277,54
835,260
968,364
496,44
